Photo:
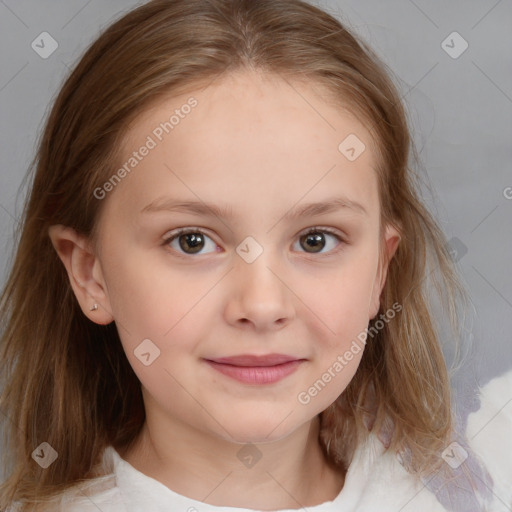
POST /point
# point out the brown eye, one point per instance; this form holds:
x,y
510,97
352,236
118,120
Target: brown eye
x,y
317,239
189,241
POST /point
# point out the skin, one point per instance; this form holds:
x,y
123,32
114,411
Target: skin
x,y
254,144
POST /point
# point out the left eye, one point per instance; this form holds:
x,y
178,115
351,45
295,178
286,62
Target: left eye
x,y
193,241
316,239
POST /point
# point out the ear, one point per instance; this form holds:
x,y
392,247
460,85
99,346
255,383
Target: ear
x,y
84,272
391,241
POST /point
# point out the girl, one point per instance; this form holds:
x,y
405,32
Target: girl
x,y
219,293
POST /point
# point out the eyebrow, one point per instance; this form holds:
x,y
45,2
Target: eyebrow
x,y
202,208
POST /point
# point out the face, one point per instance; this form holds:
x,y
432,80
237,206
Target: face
x,y
259,275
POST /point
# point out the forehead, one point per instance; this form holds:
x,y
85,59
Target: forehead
x,y
250,139
249,100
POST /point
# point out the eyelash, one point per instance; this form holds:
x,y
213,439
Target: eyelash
x,y
316,229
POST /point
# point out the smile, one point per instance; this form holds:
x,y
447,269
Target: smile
x,y
256,370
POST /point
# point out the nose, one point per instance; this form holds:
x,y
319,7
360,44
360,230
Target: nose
x,y
260,298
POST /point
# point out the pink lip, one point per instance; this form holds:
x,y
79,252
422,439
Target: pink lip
x,y
252,360
251,369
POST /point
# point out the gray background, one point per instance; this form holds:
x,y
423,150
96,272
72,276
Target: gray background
x,y
460,109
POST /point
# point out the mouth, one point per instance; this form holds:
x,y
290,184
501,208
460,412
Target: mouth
x,y
252,369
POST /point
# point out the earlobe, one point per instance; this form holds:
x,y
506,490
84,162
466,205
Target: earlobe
x,y
84,272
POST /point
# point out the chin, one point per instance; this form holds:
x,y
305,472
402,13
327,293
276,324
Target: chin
x,y
253,429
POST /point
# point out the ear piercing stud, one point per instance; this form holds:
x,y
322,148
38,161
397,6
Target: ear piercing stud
x,y
94,308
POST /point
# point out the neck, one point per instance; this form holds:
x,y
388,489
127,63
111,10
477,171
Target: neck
x,y
289,473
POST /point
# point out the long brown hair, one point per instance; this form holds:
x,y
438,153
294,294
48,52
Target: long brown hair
x,y
66,380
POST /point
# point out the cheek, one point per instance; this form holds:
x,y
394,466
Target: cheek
x,y
155,302
147,292
339,329
342,302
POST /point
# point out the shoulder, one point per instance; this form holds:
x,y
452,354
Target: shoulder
x,y
488,433
100,493
377,479
96,494
106,501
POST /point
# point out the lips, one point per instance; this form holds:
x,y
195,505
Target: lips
x,y
253,360
256,370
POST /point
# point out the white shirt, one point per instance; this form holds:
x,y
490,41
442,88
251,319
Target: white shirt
x,y
489,433
375,481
